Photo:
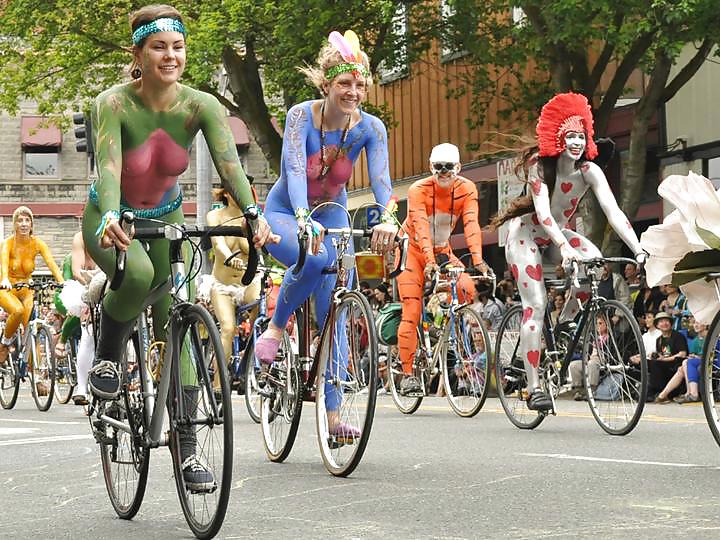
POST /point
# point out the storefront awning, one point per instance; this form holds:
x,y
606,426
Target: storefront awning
x,y
239,131
32,134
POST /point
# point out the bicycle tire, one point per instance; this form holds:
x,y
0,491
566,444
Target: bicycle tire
x,y
199,339
253,402
472,369
65,369
510,376
395,374
124,457
356,383
10,382
615,415
710,378
281,408
41,361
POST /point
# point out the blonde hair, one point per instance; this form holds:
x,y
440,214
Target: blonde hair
x,y
148,14
329,57
23,211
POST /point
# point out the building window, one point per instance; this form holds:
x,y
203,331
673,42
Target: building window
x,y
41,162
449,48
711,168
400,67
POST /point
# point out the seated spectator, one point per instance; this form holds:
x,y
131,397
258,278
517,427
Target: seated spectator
x,y
381,293
675,305
651,334
613,287
671,349
689,372
648,299
558,305
506,292
576,369
489,308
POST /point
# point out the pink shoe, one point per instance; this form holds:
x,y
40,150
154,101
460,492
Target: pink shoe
x,y
345,433
266,349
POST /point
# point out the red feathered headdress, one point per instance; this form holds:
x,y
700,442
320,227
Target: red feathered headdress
x,y
563,113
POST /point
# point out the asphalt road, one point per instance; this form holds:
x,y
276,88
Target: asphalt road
x,y
429,475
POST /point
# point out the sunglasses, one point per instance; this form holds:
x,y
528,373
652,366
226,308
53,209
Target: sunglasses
x,y
443,167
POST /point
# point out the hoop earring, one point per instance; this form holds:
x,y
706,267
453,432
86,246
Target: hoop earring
x,y
136,73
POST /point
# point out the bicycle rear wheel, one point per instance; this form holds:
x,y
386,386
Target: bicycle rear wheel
x,y
510,375
253,402
405,404
346,393
65,366
618,400
124,457
205,430
281,403
41,361
710,378
10,381
466,353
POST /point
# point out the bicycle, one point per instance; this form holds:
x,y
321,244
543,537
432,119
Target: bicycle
x,y
348,332
461,353
33,355
128,427
66,370
619,360
710,369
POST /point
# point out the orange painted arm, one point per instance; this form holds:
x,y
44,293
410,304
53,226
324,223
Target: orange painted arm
x,y
471,222
419,222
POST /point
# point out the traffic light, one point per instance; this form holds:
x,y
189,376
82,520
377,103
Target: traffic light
x,y
84,136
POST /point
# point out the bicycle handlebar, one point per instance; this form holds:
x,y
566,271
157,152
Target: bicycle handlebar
x,y
37,286
180,232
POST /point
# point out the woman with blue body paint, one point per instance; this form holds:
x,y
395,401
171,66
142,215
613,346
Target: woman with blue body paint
x,y
323,139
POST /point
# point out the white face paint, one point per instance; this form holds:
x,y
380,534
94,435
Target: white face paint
x,y
445,178
575,143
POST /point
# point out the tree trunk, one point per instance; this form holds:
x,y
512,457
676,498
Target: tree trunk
x,y
633,182
246,87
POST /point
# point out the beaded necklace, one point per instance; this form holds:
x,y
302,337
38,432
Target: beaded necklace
x,y
324,166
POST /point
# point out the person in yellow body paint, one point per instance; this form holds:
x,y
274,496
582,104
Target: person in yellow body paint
x,y
17,263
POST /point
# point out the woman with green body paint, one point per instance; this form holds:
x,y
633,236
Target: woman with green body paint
x,y
144,130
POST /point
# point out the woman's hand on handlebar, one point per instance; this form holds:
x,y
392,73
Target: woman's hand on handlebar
x,y
316,233
568,255
383,238
115,236
263,234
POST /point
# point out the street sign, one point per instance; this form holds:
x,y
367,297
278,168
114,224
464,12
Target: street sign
x,y
373,216
509,187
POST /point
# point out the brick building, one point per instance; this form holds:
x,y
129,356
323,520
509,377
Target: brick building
x,y
40,168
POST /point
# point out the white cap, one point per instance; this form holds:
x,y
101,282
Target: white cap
x,y
445,153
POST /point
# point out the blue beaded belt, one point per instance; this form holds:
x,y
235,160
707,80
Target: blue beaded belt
x,y
146,213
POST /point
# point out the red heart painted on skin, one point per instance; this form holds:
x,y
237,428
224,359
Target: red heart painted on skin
x,y
522,242
542,241
534,272
547,221
575,242
527,313
525,284
535,219
533,250
568,213
573,201
514,270
582,296
566,186
536,186
534,358
532,327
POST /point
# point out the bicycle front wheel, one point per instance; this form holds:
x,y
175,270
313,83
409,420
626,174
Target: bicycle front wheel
x,y
710,378
253,402
347,379
201,431
281,403
41,361
615,372
510,374
125,459
10,381
65,379
466,363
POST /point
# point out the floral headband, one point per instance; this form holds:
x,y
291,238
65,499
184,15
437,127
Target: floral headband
x,y
165,24
349,48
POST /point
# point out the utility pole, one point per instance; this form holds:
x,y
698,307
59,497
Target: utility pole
x,y
203,182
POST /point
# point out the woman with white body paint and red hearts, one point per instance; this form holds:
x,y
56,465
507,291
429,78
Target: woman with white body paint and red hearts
x,y
558,172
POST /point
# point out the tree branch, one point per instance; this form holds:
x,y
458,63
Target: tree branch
x,y
604,58
687,72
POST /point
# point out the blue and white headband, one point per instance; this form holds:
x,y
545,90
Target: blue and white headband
x,y
166,24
